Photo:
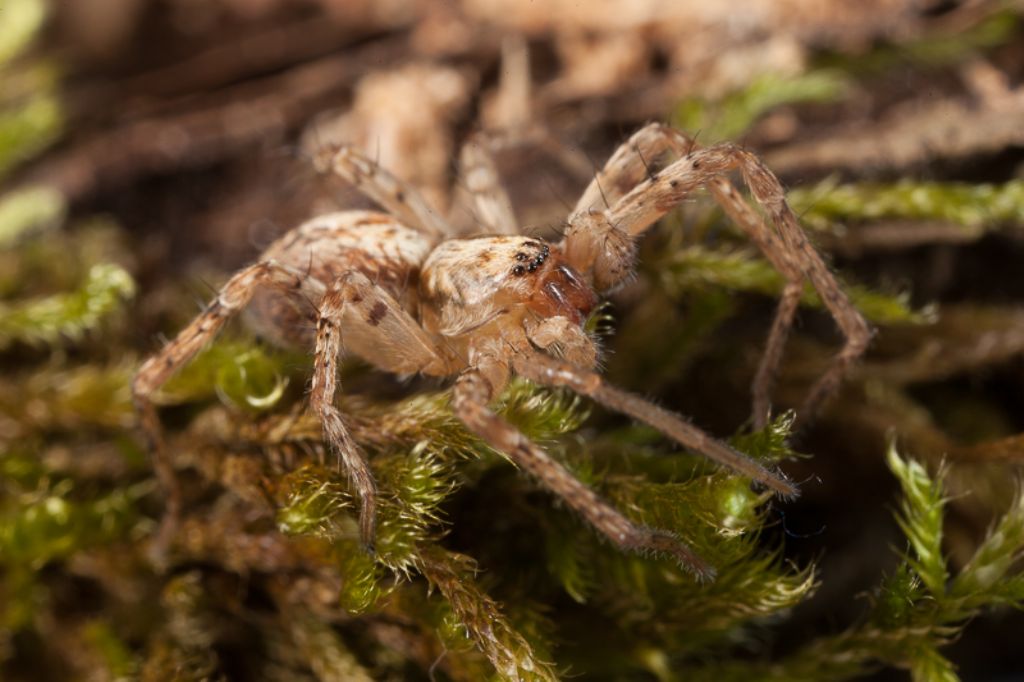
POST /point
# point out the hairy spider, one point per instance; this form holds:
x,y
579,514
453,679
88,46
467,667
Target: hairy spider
x,y
400,291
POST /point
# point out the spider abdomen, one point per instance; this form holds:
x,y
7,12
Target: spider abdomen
x,y
328,247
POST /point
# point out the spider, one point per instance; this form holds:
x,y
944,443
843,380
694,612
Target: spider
x,y
399,290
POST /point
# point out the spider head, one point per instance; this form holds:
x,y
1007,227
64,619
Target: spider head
x,y
560,291
468,283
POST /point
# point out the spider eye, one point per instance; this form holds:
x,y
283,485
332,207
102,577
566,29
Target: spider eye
x,y
518,271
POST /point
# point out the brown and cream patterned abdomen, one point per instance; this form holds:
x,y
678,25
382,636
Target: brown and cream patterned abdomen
x,y
326,248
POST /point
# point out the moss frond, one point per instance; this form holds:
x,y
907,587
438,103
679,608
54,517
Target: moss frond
x,y
241,373
419,442
506,648
542,412
67,399
987,570
27,128
770,444
60,260
720,517
696,267
730,117
323,650
19,22
26,210
30,112
975,207
40,526
932,50
920,519
320,502
928,665
914,612
48,321
183,650
112,652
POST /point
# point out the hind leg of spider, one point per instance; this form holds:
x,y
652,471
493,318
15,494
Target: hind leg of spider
x,y
396,196
232,297
491,207
363,318
476,387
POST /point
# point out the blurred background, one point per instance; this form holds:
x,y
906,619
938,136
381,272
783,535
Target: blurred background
x,y
149,148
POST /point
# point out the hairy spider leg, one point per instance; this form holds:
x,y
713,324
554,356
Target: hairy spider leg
x,y
231,299
476,387
356,307
551,372
396,196
479,172
638,197
631,165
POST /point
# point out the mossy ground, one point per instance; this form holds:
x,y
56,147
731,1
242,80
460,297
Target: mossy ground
x,y
902,552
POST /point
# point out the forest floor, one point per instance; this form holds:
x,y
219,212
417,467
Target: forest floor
x,y
151,148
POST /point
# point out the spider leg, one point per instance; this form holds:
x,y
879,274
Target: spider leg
x,y
631,164
771,359
396,196
627,167
514,110
476,387
365,319
480,174
784,244
155,371
513,105
509,123
546,370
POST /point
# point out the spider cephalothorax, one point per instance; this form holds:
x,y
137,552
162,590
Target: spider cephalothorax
x,y
400,290
467,283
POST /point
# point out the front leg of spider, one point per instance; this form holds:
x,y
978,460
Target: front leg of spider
x,y
492,207
551,372
155,372
476,387
371,321
636,197
297,281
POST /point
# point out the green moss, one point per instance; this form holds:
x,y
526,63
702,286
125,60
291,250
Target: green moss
x,y
931,50
920,519
114,653
974,207
40,526
27,128
67,317
243,374
479,573
697,268
729,117
916,610
26,210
